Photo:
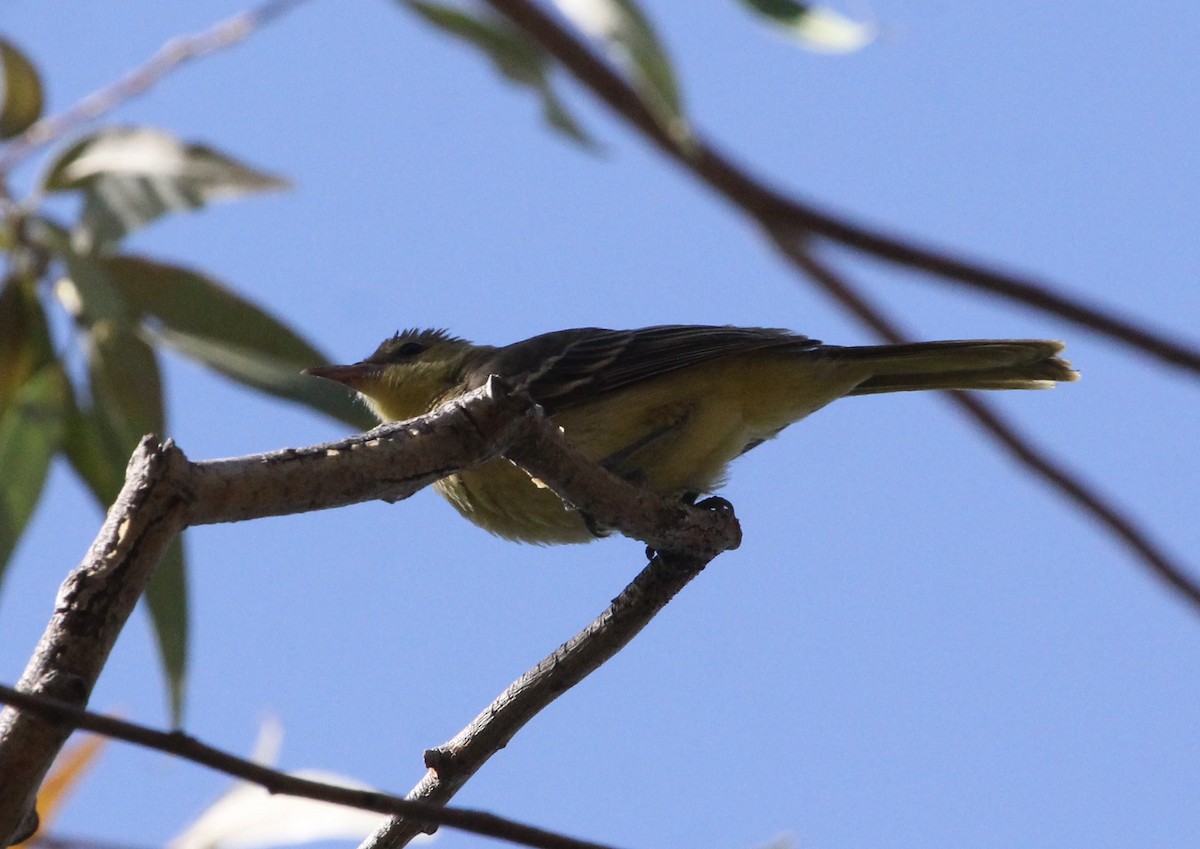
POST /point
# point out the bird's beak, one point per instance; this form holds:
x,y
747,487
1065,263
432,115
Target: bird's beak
x,y
349,375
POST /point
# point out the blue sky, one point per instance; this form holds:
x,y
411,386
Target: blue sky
x,y
916,646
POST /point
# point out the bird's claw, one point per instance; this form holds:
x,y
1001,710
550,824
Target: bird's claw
x,y
717,504
714,502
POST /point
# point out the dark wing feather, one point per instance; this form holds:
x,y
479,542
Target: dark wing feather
x,y
570,366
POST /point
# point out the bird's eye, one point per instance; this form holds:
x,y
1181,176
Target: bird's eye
x,y
407,351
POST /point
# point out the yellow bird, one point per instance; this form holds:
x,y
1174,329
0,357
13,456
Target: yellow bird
x,y
666,407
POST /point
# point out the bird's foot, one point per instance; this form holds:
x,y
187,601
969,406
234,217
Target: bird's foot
x,y
714,502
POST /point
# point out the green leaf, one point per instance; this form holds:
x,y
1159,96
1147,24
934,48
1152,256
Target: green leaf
x,y
87,292
635,47
515,56
127,403
167,601
130,176
31,431
125,384
269,374
519,59
22,103
815,27
555,113
191,302
208,322
24,337
93,455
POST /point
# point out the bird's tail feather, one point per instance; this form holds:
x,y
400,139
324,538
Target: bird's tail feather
x,y
970,364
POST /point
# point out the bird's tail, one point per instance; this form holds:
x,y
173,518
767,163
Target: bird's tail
x,y
969,364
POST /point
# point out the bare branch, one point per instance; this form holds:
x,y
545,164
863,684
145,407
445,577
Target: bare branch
x,y
453,763
164,493
390,463
69,717
779,212
539,448
169,57
394,461
92,606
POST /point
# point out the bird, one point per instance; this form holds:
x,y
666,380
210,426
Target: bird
x,y
668,407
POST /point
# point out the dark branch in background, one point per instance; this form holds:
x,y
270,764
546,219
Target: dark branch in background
x,y
189,748
164,493
67,841
777,211
986,416
792,226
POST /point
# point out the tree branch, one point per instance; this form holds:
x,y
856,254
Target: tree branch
x,y
480,425
1091,502
164,493
169,57
69,717
792,225
778,212
92,606
453,763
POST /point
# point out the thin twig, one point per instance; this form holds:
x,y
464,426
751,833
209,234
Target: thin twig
x,y
169,57
453,763
987,417
776,210
189,748
164,492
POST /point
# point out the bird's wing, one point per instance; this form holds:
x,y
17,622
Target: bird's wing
x,y
570,366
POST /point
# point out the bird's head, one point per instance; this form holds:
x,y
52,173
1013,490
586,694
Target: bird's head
x,y
409,374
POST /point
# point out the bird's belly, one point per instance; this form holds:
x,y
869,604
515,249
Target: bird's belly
x,y
504,500
672,436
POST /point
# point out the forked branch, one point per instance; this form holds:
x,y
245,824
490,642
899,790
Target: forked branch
x,y
164,493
